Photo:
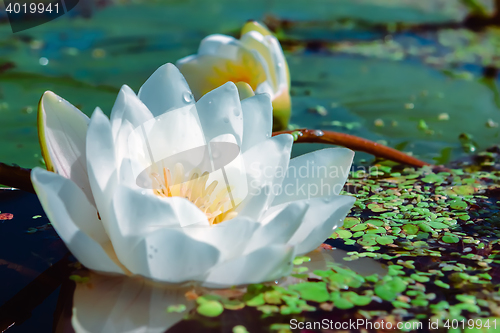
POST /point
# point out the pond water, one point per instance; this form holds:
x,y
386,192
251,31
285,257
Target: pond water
x,y
415,90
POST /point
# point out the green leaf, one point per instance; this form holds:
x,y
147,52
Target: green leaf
x,y
312,291
341,233
450,239
210,309
410,229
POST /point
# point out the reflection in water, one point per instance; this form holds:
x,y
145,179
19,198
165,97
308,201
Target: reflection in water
x,y
131,305
123,304
363,266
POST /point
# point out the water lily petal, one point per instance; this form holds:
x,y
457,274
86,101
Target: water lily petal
x,y
155,212
229,237
257,120
317,174
255,26
121,304
170,138
220,113
220,45
279,227
127,114
234,63
165,90
322,217
255,205
169,255
75,220
244,90
128,107
150,241
255,41
62,129
265,264
101,163
280,64
266,164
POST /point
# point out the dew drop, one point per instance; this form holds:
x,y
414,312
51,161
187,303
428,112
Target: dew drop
x,y
319,133
187,96
236,112
226,120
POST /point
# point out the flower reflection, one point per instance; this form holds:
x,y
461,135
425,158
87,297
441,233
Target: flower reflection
x,y
121,304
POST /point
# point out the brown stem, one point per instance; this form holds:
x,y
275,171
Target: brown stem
x,y
15,176
355,143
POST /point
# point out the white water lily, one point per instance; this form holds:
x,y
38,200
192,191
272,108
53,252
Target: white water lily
x,y
255,62
176,233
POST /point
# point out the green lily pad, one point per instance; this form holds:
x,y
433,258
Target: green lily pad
x,y
341,233
410,229
450,239
312,291
210,309
458,205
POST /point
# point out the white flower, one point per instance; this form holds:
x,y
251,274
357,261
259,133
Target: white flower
x,y
113,225
255,61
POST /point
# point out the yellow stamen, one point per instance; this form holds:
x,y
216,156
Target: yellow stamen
x,y
196,191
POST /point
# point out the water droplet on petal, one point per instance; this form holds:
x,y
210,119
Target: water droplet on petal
x,y
59,100
187,96
236,112
226,119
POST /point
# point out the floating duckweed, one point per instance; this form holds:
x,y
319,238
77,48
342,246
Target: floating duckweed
x,y
312,291
210,308
239,329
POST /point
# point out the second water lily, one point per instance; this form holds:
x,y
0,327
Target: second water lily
x,y
255,62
